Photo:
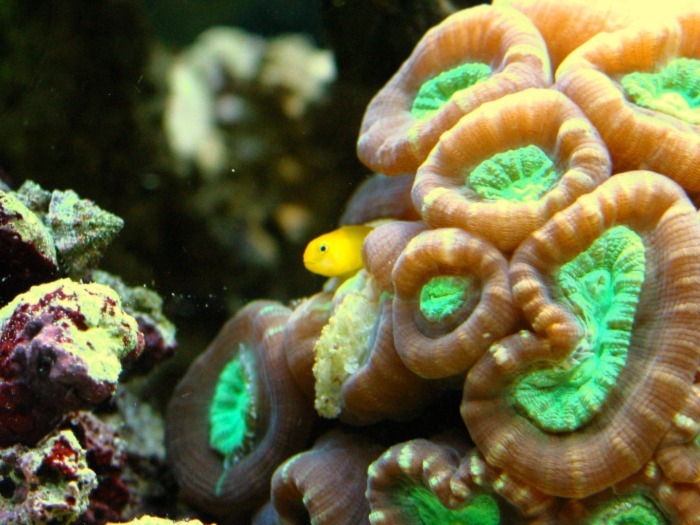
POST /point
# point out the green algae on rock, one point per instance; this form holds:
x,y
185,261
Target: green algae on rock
x,y
95,329
28,254
61,349
27,225
79,229
155,520
47,484
146,306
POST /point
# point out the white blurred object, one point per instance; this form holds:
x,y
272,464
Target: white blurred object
x,y
299,70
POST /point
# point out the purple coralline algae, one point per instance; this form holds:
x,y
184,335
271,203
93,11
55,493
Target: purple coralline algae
x,y
61,347
47,484
106,456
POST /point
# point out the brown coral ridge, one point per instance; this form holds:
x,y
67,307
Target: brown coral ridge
x,y
647,496
625,426
567,25
437,479
381,197
383,247
678,454
358,375
300,335
325,485
282,419
639,137
452,300
393,141
383,388
536,153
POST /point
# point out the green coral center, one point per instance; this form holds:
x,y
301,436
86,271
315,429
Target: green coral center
x,y
518,175
434,93
443,295
231,411
628,510
674,90
601,287
421,506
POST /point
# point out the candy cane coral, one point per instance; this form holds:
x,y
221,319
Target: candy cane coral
x,y
473,56
452,300
641,90
535,153
237,415
328,481
609,288
515,258
434,481
567,25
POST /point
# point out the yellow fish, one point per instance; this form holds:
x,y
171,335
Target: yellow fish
x,y
337,253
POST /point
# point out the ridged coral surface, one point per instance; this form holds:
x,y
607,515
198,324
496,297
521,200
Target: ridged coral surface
x,y
530,154
230,479
325,482
604,77
395,138
619,366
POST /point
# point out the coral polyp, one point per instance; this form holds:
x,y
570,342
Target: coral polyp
x,y
674,90
245,415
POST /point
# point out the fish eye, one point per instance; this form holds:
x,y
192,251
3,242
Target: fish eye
x,y
322,248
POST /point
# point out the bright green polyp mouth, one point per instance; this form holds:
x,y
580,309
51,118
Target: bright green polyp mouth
x,y
443,295
601,287
628,510
675,90
231,408
434,93
422,507
518,175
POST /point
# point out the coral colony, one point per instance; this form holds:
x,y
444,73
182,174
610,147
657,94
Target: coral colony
x,y
533,270
65,340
